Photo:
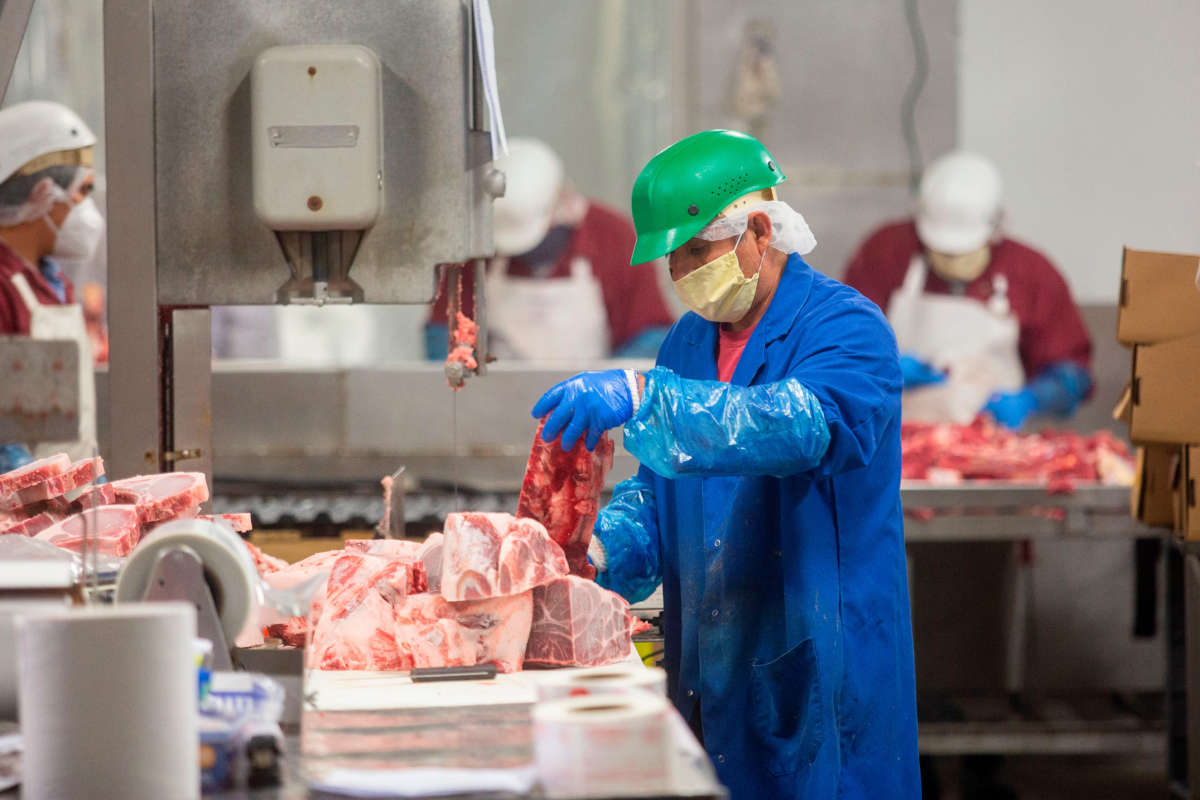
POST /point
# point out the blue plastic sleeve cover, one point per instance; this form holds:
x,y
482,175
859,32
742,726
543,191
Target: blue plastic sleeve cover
x,y
628,529
711,429
437,341
1060,388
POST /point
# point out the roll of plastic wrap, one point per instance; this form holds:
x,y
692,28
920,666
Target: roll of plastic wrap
x,y
227,567
617,679
108,703
603,745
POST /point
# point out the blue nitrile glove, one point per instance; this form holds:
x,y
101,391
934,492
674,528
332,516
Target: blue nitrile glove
x,y
13,456
918,373
1011,409
591,403
1059,389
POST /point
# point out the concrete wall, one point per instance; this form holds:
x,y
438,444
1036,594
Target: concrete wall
x,y
1090,109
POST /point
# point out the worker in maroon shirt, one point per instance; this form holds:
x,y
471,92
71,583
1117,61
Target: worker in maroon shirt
x,y
46,213
984,323
560,288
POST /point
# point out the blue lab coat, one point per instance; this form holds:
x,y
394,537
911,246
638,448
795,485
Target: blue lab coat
x,y
784,584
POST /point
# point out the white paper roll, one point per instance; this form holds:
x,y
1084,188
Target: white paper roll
x,y
108,703
617,679
603,745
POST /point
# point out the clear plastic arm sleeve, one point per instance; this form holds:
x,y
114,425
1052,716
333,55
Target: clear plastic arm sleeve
x,y
709,428
1060,388
627,529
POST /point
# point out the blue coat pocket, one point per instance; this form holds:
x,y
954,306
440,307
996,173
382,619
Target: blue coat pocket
x,y
786,699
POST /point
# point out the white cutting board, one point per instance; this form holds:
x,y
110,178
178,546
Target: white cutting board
x,y
356,690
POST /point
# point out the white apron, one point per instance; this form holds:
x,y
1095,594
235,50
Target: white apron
x,y
547,319
65,322
974,342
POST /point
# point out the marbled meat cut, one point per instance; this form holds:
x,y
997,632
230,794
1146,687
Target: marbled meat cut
x,y
423,630
492,555
115,529
431,556
162,497
579,623
34,472
100,495
32,525
265,564
76,476
562,491
240,522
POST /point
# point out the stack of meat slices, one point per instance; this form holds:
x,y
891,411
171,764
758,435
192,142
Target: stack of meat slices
x,y
60,502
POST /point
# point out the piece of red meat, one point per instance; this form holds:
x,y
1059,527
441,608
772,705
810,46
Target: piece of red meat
x,y
102,494
114,529
366,620
494,554
578,623
33,472
293,633
430,555
240,522
392,548
32,525
74,477
164,496
562,491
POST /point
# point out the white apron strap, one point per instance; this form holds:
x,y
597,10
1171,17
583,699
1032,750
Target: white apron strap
x,y
26,292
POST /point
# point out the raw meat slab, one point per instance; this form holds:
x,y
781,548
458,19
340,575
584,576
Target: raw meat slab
x,y
76,476
492,555
162,497
578,623
264,563
431,556
240,522
115,529
33,525
392,548
34,472
100,495
562,491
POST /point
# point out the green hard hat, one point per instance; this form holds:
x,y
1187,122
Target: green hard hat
x,y
684,187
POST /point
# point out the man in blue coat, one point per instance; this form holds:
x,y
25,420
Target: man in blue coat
x,y
767,502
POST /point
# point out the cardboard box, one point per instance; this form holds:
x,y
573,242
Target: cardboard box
x,y
1165,391
1187,514
1153,499
1158,299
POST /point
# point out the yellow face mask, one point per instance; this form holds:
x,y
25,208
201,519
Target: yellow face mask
x,y
719,291
966,267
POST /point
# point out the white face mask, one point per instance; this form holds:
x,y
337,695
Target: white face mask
x,y
80,233
719,291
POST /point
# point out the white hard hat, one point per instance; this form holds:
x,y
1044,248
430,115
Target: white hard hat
x,y
36,128
959,204
533,179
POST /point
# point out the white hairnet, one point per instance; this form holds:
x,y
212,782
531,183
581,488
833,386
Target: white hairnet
x,y
789,232
41,197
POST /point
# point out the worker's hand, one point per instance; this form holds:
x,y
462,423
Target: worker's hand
x,y
918,373
591,403
1011,409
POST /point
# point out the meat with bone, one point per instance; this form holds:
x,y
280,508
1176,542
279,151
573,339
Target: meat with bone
x,y
76,476
562,491
34,472
984,451
114,529
577,622
431,556
32,525
393,548
100,495
491,555
424,630
164,496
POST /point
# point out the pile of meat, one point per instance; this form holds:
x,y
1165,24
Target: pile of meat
x,y
951,454
60,502
492,589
